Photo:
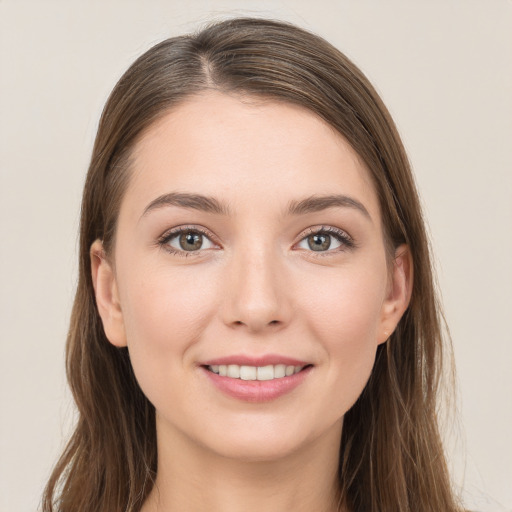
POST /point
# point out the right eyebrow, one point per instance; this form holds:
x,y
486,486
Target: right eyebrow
x,y
211,205
186,200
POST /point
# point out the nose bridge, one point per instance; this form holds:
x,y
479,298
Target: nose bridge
x,y
255,295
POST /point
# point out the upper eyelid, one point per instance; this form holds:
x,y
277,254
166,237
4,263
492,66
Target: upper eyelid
x,y
307,231
331,230
342,236
175,231
172,232
323,227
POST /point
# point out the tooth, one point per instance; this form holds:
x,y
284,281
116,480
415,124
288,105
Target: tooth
x,y
233,371
265,372
248,372
268,372
289,370
279,371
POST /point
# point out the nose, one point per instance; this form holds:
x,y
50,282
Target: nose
x,y
257,294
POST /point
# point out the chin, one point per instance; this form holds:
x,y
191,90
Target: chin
x,y
268,441
258,449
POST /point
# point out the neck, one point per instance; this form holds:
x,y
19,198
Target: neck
x,y
192,479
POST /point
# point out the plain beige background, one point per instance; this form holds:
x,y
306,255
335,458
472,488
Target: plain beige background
x,y
444,68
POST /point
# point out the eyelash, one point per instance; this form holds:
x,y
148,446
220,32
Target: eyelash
x,y
346,241
164,240
341,236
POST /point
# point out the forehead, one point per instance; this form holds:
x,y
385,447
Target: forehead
x,y
244,151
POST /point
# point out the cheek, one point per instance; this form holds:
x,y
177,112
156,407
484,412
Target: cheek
x,y
165,313
345,318
347,302
166,303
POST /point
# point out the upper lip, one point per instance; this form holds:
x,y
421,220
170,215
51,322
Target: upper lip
x,y
246,360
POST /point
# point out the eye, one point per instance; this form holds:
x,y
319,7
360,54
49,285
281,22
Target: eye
x,y
326,239
186,240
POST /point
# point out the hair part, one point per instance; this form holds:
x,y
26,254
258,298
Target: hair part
x,y
391,452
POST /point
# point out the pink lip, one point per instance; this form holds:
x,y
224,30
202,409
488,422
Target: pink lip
x,y
256,390
241,359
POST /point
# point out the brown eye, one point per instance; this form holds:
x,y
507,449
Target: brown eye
x,y
328,239
191,241
188,241
319,242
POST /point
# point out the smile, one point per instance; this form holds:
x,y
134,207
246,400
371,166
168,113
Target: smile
x,y
243,372
256,379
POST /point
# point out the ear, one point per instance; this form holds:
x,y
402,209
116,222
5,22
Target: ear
x,y
107,296
398,293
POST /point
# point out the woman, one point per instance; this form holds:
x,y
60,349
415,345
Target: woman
x,y
255,324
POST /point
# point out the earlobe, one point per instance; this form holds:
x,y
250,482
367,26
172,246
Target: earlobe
x,y
107,296
399,292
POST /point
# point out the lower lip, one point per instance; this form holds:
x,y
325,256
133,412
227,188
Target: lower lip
x,y
257,390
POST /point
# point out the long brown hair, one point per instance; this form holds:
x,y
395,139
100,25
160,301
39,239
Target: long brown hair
x,y
391,453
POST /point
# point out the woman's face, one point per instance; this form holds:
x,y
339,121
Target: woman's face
x,y
249,278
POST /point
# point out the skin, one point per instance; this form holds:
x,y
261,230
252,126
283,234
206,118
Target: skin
x,y
254,287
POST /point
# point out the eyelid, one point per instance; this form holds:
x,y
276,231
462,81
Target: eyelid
x,y
347,242
340,234
163,240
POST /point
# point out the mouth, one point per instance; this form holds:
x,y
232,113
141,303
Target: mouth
x,y
256,373
260,379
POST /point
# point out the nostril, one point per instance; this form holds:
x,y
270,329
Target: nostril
x,y
255,325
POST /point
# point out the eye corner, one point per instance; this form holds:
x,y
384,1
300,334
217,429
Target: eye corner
x,y
204,236
343,240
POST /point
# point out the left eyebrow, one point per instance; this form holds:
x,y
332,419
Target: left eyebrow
x,y
208,204
314,204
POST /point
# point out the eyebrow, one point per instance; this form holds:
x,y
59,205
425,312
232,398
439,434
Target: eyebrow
x,y
190,201
318,203
209,204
